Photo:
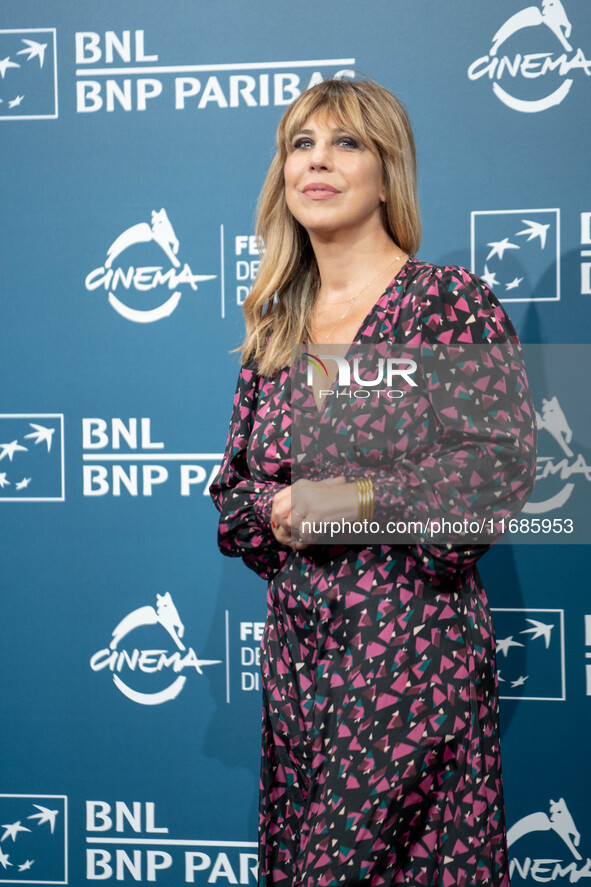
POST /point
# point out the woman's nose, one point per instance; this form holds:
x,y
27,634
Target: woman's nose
x,y
319,157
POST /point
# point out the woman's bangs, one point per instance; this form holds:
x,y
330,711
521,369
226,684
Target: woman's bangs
x,y
342,110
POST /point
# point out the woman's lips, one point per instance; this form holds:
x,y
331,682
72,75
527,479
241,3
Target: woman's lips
x,y
319,191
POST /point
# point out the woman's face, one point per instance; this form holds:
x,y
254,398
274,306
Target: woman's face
x,y
333,182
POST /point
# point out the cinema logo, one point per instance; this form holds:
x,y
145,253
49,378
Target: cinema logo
x,y
525,70
556,475
121,458
160,283
560,836
152,662
115,71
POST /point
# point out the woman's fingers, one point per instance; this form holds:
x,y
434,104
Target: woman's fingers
x,y
296,505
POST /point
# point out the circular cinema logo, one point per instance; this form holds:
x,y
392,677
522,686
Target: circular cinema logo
x,y
534,81
158,674
558,473
562,861
160,283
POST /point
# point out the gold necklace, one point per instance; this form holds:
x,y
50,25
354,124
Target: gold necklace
x,y
354,298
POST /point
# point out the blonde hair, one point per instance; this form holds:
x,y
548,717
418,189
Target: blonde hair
x,y
277,311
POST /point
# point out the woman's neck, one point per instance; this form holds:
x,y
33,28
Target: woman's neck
x,y
344,266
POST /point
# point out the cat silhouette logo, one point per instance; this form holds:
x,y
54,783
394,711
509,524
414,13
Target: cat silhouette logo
x,y
28,72
556,474
33,839
517,253
147,280
549,836
530,653
154,666
538,79
32,457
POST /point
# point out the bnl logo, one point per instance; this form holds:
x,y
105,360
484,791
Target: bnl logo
x,y
530,653
28,68
32,457
34,839
517,253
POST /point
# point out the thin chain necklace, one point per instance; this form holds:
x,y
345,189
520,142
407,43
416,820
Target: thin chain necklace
x,y
353,299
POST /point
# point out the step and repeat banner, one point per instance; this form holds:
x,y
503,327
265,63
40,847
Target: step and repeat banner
x,y
134,141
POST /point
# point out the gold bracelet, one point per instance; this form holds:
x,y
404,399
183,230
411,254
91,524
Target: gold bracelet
x,y
365,498
361,497
365,493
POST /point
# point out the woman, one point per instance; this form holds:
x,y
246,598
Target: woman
x,y
380,759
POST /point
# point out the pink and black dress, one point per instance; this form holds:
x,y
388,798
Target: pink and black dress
x,y
380,749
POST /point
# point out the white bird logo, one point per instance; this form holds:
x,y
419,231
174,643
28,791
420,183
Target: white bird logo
x,y
15,102
9,449
23,484
45,815
5,64
540,629
4,860
536,229
504,645
40,434
499,247
514,283
520,681
26,865
13,829
489,277
33,50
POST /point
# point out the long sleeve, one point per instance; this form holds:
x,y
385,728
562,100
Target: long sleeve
x,y
458,445
475,456
245,502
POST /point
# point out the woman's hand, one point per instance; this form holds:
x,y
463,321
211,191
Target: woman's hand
x,y
308,502
281,516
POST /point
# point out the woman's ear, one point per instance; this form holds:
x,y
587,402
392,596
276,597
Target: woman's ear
x,y
383,189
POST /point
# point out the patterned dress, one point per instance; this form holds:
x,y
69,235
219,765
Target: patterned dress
x,y
380,752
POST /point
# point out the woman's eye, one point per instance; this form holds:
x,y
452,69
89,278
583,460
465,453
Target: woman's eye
x,y
302,143
348,142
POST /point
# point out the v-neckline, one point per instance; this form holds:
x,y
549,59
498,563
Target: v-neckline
x,y
359,333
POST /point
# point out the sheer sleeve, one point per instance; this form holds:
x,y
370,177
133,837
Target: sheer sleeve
x,y
245,502
476,454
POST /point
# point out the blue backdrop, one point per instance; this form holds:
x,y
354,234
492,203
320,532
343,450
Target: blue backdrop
x,y
134,141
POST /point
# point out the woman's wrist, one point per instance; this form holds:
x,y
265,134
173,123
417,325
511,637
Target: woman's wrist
x,y
365,498
263,504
